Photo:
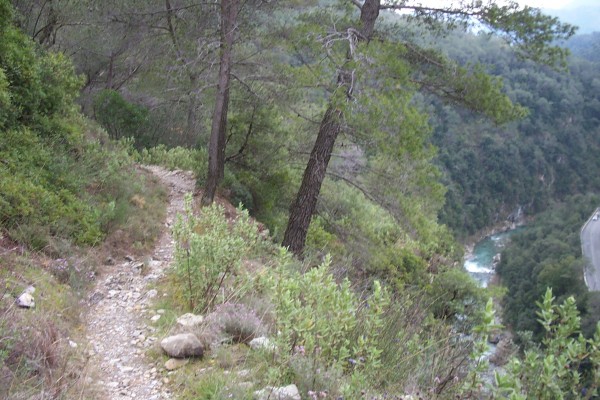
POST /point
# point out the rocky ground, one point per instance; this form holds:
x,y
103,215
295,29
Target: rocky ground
x,y
120,321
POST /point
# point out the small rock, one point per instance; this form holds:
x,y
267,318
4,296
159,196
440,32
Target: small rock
x,y
494,339
261,343
72,344
138,267
26,300
282,393
129,258
151,294
182,345
244,373
161,311
155,318
96,297
176,363
190,320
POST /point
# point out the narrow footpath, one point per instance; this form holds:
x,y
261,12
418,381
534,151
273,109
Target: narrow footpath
x,y
119,323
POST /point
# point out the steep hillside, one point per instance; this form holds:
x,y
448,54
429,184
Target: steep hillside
x,y
493,172
63,187
366,299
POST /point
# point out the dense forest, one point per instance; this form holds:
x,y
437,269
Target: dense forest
x,y
548,254
369,142
492,171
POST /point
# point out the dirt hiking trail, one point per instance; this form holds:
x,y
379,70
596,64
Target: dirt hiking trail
x,y
120,320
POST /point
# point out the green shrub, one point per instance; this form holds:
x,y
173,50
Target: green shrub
x,y
54,182
120,118
319,318
175,158
567,366
208,251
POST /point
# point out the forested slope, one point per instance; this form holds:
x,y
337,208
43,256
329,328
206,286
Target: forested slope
x,y
272,89
491,172
547,253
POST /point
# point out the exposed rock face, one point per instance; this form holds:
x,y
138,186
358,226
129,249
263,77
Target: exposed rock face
x,y
182,345
282,393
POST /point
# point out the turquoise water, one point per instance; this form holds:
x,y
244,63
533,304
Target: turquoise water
x,y
481,263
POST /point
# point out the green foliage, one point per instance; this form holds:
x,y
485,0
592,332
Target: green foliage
x,y
258,173
214,386
56,180
550,154
565,367
317,317
456,294
208,252
175,158
474,381
532,32
123,119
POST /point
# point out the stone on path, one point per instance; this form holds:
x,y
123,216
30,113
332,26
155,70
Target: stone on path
x,y
182,345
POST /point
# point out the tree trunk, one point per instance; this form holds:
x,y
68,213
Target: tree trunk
x,y
314,174
109,78
216,147
304,206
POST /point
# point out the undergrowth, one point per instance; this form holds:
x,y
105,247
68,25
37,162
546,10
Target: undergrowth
x,y
37,353
323,335
174,158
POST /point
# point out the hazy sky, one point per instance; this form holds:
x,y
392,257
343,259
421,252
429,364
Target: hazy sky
x,y
559,4
546,4
583,13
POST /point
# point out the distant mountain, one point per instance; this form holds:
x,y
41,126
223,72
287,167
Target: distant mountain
x,y
586,46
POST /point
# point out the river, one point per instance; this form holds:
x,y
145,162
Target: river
x,y
480,263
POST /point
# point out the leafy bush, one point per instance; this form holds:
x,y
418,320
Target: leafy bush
x,y
208,251
567,366
123,119
318,318
175,158
33,194
57,179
